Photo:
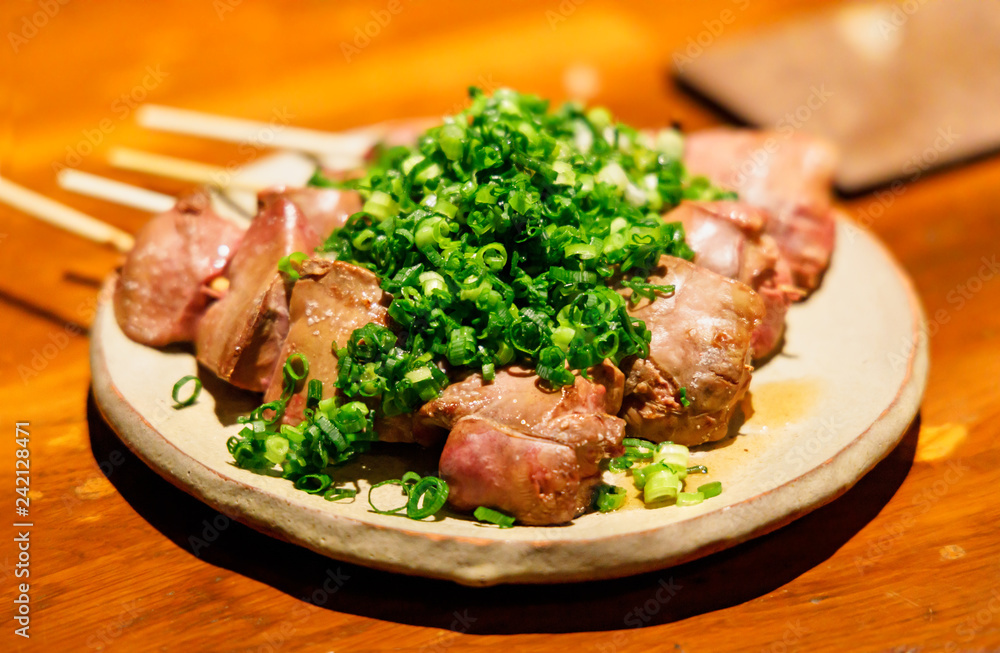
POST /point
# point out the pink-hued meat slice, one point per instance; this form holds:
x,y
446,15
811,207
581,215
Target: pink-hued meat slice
x,y
539,481
241,335
700,342
329,301
325,209
790,175
541,448
729,239
161,291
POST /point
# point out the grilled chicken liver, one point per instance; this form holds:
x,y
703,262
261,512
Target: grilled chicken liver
x,y
240,337
329,301
521,448
789,175
161,292
728,238
701,343
325,209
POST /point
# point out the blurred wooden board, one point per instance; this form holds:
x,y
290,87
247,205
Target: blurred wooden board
x,y
901,88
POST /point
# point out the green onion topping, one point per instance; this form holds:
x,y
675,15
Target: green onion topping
x,y
491,516
504,235
610,497
181,403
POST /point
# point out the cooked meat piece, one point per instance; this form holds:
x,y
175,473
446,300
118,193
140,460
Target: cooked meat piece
x,y
329,301
538,481
700,342
790,176
540,449
728,238
161,292
326,209
516,397
241,335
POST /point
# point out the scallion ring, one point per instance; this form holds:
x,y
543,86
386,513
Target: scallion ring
x,y
432,492
182,403
491,516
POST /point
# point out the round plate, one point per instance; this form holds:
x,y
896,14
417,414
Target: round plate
x,y
826,409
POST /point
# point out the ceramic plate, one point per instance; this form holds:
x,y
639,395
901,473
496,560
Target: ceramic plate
x,y
835,401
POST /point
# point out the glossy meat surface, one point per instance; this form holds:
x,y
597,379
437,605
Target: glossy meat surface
x,y
329,301
790,175
487,463
325,209
729,239
241,336
700,342
161,292
540,448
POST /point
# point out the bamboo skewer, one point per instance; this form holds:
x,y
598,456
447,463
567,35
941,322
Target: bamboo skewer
x,y
345,149
168,166
350,144
135,197
62,216
114,191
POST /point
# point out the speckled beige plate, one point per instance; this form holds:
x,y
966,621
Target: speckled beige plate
x,y
827,409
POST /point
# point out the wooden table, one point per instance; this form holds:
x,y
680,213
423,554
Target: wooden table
x,y
907,560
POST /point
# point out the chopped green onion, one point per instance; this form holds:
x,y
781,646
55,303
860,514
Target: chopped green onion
x,y
427,497
296,367
336,494
610,497
689,498
620,464
640,474
508,234
290,265
181,403
390,511
491,516
673,454
313,483
660,485
276,448
709,490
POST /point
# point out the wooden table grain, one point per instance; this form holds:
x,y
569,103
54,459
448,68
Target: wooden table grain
x,y
908,560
